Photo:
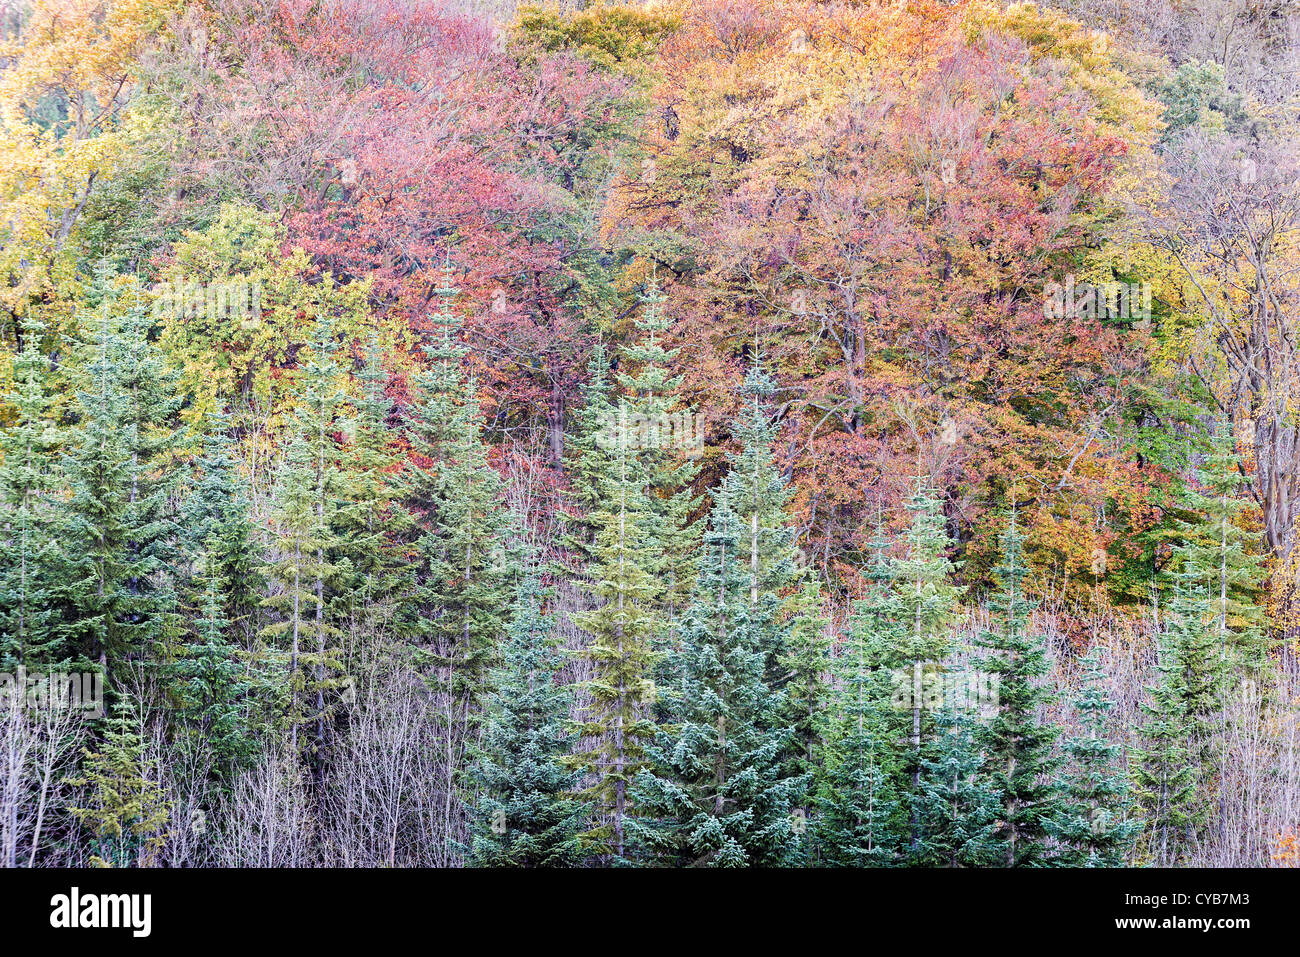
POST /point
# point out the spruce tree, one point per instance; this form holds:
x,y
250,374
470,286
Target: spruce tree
x,y
955,803
217,527
122,807
460,588
371,519
861,820
302,561
1018,741
1096,826
1227,556
925,605
118,588
716,793
620,631
1164,780
28,547
212,682
525,814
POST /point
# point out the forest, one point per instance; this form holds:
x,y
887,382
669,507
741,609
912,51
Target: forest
x,y
682,433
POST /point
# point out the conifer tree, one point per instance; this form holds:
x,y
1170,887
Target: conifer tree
x,y
621,630
1018,743
28,548
860,815
123,808
956,805
804,696
213,685
216,526
119,588
460,583
716,793
1096,826
525,814
371,518
925,604
646,420
1227,556
304,545
1164,780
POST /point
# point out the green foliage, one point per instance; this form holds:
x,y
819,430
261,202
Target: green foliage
x,y
525,815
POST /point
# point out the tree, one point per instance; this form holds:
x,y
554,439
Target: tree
x,y
1019,745
525,815
371,519
1096,826
861,819
28,549
119,465
302,559
925,606
1165,779
716,793
1227,555
955,803
615,727
212,684
216,525
124,809
454,497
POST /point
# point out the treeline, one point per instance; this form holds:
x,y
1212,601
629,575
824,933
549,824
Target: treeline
x,y
379,654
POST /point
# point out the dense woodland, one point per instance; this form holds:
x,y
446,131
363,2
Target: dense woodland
x,y
765,433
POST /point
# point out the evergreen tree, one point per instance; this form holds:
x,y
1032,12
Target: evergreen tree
x,y
213,686
620,632
371,518
1164,780
1227,556
118,589
28,549
956,805
304,546
716,793
216,525
525,815
805,663
860,820
645,419
123,808
925,605
1095,826
1018,742
460,583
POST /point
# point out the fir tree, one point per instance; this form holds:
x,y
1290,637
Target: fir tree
x,y
458,529
212,683
925,605
1164,780
716,793
216,525
620,631
525,815
1227,556
955,803
123,807
118,589
304,546
860,819
1018,742
28,549
1095,826
370,518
